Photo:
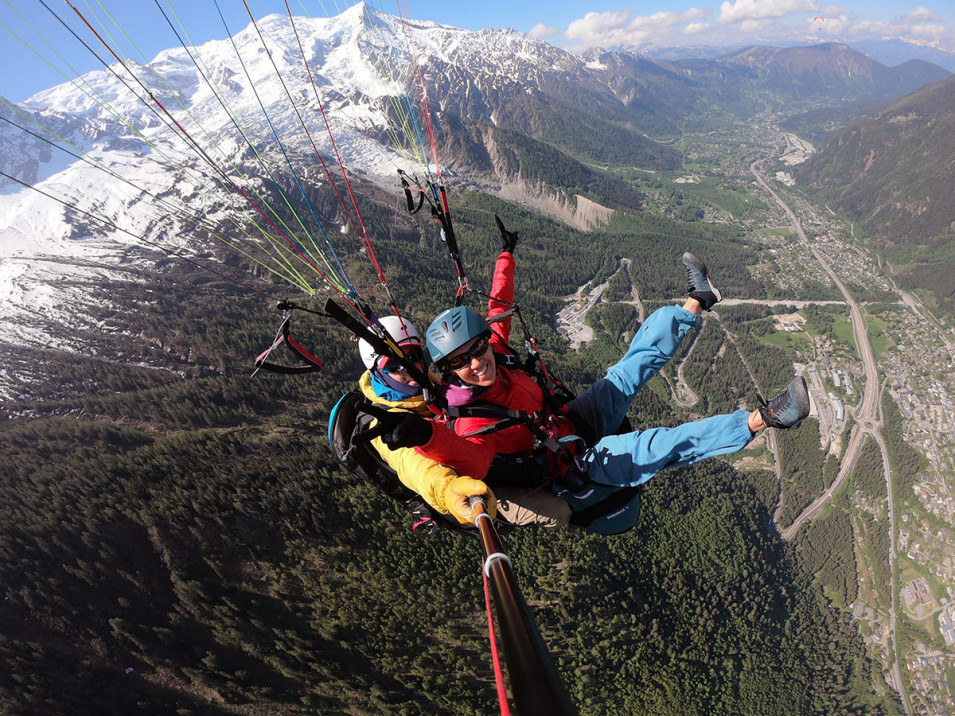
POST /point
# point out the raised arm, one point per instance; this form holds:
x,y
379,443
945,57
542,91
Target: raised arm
x,y
502,287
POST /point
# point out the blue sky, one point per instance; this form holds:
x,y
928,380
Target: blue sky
x,y
632,24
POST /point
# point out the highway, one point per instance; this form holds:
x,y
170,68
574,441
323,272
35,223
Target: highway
x,y
868,423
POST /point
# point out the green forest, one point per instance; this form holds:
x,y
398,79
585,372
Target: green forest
x,y
176,537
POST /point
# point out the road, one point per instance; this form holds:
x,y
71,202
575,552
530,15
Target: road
x,y
868,422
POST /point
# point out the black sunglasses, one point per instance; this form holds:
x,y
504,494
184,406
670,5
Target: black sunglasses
x,y
475,351
413,354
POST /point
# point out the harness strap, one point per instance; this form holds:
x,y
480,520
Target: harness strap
x,y
506,418
409,198
502,424
375,411
312,364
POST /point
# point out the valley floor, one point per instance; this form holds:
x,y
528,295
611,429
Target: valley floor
x,y
889,348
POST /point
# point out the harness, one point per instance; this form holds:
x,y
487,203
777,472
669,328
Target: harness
x,y
604,509
544,425
561,464
284,337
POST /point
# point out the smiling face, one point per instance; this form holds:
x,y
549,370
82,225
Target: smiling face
x,y
474,363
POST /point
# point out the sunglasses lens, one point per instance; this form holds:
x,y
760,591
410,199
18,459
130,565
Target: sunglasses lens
x,y
475,351
412,353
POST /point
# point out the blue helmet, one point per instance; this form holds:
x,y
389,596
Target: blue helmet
x,y
452,329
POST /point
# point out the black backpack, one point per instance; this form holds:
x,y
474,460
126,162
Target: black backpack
x,y
350,440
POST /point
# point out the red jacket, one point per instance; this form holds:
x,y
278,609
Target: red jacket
x,y
513,389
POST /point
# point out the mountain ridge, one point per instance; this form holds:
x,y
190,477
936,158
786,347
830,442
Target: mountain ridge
x,y
885,173
822,69
513,116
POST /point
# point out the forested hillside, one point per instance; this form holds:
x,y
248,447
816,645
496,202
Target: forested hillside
x,y
176,538
887,172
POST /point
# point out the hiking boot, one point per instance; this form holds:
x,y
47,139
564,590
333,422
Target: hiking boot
x,y
699,285
788,408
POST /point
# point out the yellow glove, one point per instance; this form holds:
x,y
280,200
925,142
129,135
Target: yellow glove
x,y
457,496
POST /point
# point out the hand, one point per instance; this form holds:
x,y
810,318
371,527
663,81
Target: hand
x,y
404,429
508,238
457,499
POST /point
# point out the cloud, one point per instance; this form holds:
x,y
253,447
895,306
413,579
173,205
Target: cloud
x,y
596,24
623,29
742,11
779,22
755,27
665,19
920,27
920,14
541,30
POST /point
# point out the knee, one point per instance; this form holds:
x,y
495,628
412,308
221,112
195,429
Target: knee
x,y
560,516
539,508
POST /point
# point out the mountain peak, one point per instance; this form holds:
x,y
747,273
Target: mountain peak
x,y
508,111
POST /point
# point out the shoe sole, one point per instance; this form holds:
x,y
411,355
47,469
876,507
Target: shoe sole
x,y
691,260
799,391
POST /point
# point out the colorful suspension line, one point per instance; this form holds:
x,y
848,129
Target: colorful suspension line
x,y
170,121
363,232
298,114
186,135
219,94
77,81
433,189
182,212
212,140
419,83
333,266
142,239
405,131
299,245
410,128
80,83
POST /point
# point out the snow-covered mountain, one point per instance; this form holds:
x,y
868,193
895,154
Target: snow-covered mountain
x,y
99,148
111,171
133,158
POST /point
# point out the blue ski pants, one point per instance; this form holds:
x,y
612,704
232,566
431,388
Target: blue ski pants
x,y
633,458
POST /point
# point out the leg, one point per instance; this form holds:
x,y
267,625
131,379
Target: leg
x,y
634,458
604,405
521,506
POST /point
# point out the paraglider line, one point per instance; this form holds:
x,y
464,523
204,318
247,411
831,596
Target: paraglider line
x,y
363,233
192,142
164,249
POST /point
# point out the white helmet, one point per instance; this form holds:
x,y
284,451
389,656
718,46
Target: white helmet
x,y
401,332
